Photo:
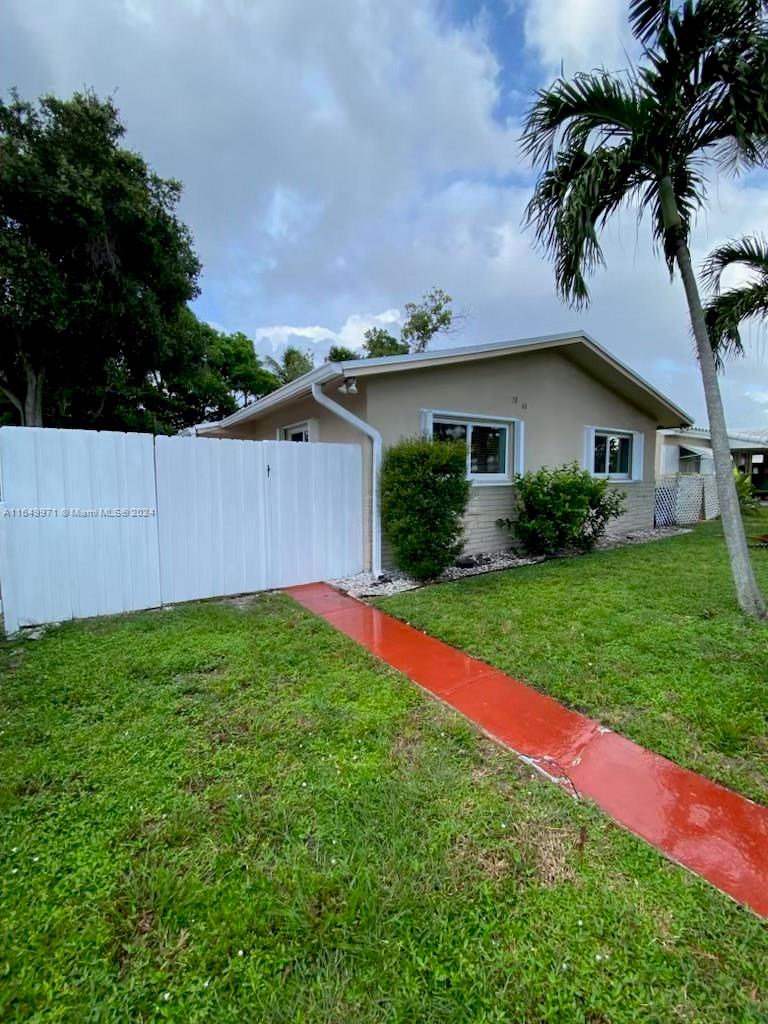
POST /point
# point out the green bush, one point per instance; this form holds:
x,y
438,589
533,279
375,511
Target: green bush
x,y
745,491
562,508
424,494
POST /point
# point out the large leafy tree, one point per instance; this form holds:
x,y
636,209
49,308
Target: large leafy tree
x,y
748,301
645,138
94,264
198,374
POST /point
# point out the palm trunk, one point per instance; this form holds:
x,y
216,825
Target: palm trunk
x,y
748,594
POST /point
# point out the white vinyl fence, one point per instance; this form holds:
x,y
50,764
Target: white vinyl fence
x,y
93,523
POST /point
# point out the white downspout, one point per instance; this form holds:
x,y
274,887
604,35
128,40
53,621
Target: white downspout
x,y
338,410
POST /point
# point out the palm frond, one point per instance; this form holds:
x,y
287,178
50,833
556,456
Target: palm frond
x,y
594,107
656,23
728,310
750,251
648,18
709,70
570,205
730,111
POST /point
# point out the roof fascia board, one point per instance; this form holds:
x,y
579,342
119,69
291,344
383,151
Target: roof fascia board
x,y
387,363
297,388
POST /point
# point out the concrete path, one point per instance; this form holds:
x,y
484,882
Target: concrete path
x,y
709,829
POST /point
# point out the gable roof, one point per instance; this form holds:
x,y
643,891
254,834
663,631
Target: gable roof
x,y
578,346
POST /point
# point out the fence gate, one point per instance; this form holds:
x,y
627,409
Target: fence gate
x,y
212,511
94,523
237,516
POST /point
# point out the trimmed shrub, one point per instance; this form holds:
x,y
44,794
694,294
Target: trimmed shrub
x,y
562,508
424,494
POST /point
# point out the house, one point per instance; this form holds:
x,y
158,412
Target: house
x,y
518,404
690,451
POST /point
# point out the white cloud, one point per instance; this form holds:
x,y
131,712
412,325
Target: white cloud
x,y
579,34
317,340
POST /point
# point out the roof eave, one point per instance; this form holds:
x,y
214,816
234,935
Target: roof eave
x,y
298,388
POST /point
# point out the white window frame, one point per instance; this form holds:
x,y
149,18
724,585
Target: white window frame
x,y
515,433
637,438
310,426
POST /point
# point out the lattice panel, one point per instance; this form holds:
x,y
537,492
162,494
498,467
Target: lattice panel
x,y
685,498
711,503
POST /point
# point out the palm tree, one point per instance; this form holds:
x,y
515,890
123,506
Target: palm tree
x,y
292,364
748,301
644,137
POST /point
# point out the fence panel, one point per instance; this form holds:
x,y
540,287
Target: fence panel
x,y
93,523
78,524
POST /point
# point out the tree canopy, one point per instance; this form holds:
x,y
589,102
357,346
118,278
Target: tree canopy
x,y
378,342
94,263
432,315
233,357
198,374
341,354
293,363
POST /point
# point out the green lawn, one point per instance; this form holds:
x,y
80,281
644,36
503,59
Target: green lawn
x,y
229,813
647,639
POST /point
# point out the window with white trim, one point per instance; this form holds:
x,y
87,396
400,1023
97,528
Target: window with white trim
x,y
296,432
489,445
614,454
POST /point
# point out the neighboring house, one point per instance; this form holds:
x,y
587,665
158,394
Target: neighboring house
x,y
519,405
690,451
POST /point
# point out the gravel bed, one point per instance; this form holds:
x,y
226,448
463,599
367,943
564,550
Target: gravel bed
x,y
622,540
365,584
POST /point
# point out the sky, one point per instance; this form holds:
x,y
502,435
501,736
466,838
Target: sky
x,y
341,158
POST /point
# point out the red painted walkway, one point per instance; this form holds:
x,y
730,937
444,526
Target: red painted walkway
x,y
716,833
